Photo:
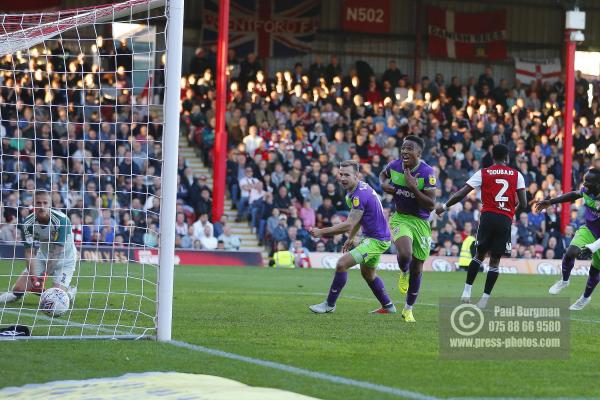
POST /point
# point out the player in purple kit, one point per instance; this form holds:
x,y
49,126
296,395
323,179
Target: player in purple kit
x,y
586,241
413,184
366,212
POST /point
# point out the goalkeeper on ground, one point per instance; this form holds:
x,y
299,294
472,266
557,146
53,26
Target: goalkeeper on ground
x,y
56,256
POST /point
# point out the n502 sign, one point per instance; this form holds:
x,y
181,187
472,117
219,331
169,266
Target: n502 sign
x,y
366,16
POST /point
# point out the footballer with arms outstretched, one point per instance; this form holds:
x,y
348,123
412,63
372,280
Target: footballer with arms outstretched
x,y
413,184
366,212
586,241
501,186
56,256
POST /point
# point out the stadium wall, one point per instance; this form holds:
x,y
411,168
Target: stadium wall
x,y
531,30
111,254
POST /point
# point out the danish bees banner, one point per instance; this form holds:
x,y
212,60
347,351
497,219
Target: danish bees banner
x,y
466,36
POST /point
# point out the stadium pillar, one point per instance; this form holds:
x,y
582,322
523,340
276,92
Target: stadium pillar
x,y
568,140
220,150
575,20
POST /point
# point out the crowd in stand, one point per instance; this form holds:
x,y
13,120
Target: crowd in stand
x,y
288,132
77,125
71,124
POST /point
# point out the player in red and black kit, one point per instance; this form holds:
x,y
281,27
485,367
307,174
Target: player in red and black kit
x,y
500,185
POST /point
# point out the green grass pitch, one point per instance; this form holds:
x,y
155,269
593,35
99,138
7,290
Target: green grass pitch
x,y
262,313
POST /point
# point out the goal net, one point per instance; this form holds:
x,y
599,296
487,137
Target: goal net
x,y
84,123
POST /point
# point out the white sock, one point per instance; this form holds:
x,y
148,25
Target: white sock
x,y
485,296
467,290
407,307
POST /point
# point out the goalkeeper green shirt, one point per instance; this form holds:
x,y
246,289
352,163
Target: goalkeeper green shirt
x,y
55,238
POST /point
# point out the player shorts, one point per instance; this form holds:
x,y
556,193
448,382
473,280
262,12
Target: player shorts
x,y
493,235
582,237
61,271
369,251
417,229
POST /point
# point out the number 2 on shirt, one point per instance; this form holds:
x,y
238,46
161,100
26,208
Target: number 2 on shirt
x,y
500,198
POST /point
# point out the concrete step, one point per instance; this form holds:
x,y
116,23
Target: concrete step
x,y
238,225
249,239
244,234
251,248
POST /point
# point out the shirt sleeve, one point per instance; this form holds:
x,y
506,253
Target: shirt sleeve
x,y
387,167
358,203
430,181
475,180
520,181
27,232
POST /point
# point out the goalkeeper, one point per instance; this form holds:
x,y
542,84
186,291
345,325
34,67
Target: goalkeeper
x,y
56,256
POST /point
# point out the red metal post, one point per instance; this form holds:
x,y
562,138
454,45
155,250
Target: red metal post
x,y
568,139
220,149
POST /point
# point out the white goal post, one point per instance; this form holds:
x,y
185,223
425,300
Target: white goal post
x,y
89,115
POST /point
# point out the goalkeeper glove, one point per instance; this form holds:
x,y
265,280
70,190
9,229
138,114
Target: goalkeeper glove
x,y
37,283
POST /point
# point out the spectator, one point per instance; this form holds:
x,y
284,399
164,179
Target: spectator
x,y
187,241
466,215
8,230
282,199
200,227
301,259
280,232
252,141
246,185
218,227
325,212
181,227
392,74
307,215
458,174
336,243
230,242
256,200
525,232
151,236
208,241
248,69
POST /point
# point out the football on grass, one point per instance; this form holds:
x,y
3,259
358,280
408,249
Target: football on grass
x,y
54,302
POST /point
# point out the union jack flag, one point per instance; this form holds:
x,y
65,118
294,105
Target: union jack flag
x,y
268,28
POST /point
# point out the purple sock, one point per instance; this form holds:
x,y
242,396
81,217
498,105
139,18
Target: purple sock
x,y
339,281
378,289
414,284
567,266
593,280
402,264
